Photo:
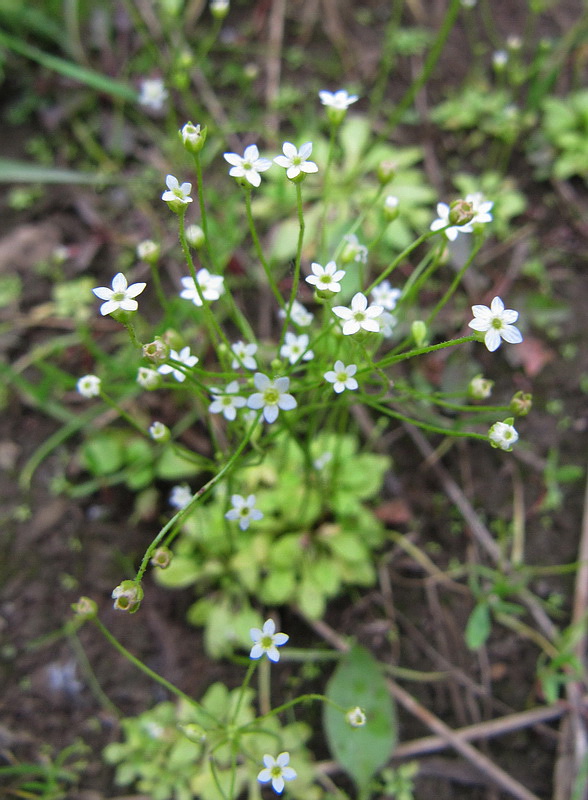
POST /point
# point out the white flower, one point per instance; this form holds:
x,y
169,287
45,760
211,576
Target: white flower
x,y
443,220
120,296
247,166
180,496
481,208
148,250
384,295
153,94
178,194
499,59
244,355
211,287
195,235
89,386
294,161
271,396
356,717
148,378
296,347
193,137
267,641
503,435
480,388
219,8
359,315
341,377
339,100
353,250
184,357
495,322
387,324
326,279
243,510
159,432
227,402
277,771
391,202
298,315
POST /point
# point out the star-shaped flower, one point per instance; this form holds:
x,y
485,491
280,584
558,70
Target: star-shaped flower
x,y
384,295
295,161
298,315
184,357
481,208
340,100
359,316
244,355
153,94
296,347
247,166
277,771
326,279
180,496
271,395
177,194
243,509
211,287
89,386
227,402
120,296
267,641
443,210
496,323
341,377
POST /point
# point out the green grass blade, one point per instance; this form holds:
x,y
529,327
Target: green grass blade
x,y
12,171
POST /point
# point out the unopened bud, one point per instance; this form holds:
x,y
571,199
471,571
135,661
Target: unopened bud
x,y
419,332
159,432
195,236
85,608
480,388
521,404
219,8
391,210
461,212
148,378
386,171
148,251
127,596
193,137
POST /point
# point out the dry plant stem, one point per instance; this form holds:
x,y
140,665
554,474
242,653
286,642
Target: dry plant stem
x,y
484,764
479,531
482,730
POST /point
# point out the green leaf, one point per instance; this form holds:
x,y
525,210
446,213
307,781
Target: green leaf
x,y
172,467
104,454
13,171
478,626
358,681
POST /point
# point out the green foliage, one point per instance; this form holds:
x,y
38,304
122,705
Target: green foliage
x,y
565,128
54,778
359,681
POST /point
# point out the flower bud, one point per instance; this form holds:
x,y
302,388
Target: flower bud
x,y
219,8
156,351
148,251
193,137
461,212
85,608
503,435
419,332
193,732
148,378
356,717
391,210
159,432
195,236
521,404
162,557
386,171
127,596
480,388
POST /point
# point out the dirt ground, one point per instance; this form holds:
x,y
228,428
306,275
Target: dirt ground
x,y
52,549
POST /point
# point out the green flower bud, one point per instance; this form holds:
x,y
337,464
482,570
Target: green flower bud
x,y
159,432
391,210
85,608
480,388
195,236
148,251
386,171
521,404
193,137
419,332
219,8
461,212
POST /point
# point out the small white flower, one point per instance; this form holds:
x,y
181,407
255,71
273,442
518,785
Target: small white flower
x,y
356,717
243,510
340,100
359,316
322,461
178,194
247,166
353,250
219,8
387,324
295,348
481,208
468,3
89,386
147,250
298,315
503,435
326,279
195,235
480,388
148,378
384,295
153,94
277,771
192,136
341,377
267,641
211,287
227,402
496,323
244,355
120,296
499,59
295,161
443,220
159,432
180,496
272,395
391,202
185,357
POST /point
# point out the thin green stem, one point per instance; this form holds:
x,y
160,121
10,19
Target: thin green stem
x,y
454,284
259,249
202,206
419,351
296,278
327,188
